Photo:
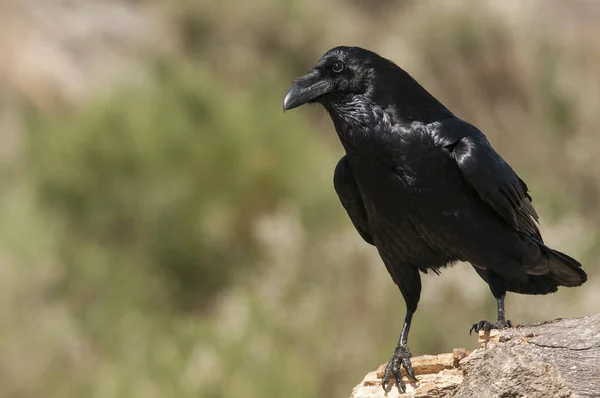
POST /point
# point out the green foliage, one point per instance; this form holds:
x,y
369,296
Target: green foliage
x,y
145,204
171,179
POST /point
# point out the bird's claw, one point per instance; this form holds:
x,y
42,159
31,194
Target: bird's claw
x,y
401,357
487,326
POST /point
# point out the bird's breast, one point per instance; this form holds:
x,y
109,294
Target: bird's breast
x,y
411,159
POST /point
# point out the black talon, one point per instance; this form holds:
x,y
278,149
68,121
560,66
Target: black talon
x,y
399,383
487,326
502,323
401,357
481,325
409,369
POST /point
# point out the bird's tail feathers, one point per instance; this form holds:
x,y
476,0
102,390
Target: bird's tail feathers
x,y
564,270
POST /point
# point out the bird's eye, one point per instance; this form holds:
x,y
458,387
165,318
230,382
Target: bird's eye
x,y
337,67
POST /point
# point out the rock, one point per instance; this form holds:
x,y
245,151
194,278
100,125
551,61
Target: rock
x,y
438,375
559,358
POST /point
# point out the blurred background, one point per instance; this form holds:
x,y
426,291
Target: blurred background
x,y
166,231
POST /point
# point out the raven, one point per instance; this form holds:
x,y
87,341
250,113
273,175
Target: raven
x,y
426,188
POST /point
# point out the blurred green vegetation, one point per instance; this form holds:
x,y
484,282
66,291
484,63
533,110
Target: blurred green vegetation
x,y
172,178
181,237
153,194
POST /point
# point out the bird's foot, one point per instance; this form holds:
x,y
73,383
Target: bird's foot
x,y
487,326
401,357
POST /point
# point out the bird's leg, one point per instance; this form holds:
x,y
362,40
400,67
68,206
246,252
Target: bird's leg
x,y
501,323
401,357
501,317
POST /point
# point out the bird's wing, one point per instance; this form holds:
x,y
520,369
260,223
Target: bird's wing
x,y
493,179
347,190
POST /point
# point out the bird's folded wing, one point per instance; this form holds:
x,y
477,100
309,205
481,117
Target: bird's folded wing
x,y
495,181
347,190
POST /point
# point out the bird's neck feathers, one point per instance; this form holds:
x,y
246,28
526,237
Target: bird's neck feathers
x,y
358,119
394,101
410,100
352,110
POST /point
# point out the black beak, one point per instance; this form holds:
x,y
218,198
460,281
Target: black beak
x,y
305,89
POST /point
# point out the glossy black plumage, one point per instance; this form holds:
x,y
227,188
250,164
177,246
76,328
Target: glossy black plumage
x,y
425,187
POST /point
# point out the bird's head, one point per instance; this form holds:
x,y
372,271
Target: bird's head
x,y
341,74
353,84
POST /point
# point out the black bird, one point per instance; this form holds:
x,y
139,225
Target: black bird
x,y
426,188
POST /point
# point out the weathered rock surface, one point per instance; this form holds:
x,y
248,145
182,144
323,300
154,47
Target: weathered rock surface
x,y
559,358
438,376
